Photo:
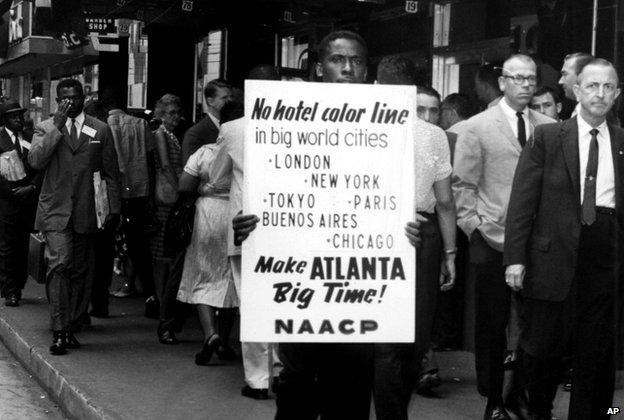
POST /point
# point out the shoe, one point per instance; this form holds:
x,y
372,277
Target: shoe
x,y
256,394
167,337
227,354
58,347
71,342
212,344
152,308
124,291
427,381
495,412
11,301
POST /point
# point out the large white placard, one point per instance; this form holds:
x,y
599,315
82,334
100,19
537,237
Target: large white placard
x,y
329,170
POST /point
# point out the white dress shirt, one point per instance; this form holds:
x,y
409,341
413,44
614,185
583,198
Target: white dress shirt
x,y
79,123
605,177
214,119
510,115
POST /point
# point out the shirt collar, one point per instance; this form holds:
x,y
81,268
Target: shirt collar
x,y
510,112
214,119
585,128
79,119
11,134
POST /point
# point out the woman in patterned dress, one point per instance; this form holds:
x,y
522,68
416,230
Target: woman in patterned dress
x,y
169,160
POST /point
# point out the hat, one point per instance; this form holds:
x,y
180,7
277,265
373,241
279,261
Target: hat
x,y
11,106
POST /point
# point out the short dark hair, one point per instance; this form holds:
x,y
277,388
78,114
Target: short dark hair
x,y
581,59
460,103
547,89
332,36
211,87
426,90
396,70
489,75
68,84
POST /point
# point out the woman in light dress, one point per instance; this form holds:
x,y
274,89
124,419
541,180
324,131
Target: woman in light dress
x,y
207,279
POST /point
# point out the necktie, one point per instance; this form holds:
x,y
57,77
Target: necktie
x,y
73,133
18,148
589,194
521,129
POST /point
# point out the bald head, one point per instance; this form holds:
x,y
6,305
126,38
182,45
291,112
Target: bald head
x,y
518,60
263,72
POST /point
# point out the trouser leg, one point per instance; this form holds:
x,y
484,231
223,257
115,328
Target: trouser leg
x,y
13,258
394,376
345,380
138,243
58,253
492,313
82,275
297,391
170,308
104,252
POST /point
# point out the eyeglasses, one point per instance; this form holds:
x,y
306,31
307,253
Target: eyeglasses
x,y
519,79
607,88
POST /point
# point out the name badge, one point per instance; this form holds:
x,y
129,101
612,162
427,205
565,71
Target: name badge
x,y
88,131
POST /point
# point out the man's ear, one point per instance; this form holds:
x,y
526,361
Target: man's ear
x,y
559,107
501,83
577,89
319,70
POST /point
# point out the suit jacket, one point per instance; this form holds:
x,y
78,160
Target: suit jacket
x,y
13,209
204,132
544,223
486,154
67,189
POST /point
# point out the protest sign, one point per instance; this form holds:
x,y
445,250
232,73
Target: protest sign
x,y
329,170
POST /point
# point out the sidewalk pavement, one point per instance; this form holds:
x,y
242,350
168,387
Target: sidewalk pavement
x,y
122,372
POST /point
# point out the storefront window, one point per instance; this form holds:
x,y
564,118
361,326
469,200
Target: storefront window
x,y
294,52
137,66
209,57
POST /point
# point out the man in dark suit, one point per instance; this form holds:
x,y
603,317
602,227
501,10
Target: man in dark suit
x,y
563,243
71,148
217,92
18,201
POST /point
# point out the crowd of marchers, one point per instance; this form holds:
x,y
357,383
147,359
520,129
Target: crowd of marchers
x,y
518,201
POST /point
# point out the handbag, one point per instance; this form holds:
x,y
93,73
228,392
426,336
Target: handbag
x,y
166,193
179,226
37,264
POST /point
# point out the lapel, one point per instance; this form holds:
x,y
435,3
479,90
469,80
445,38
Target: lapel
x,y
617,153
503,125
82,137
6,143
569,143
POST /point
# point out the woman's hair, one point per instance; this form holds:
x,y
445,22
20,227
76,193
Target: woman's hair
x,y
166,100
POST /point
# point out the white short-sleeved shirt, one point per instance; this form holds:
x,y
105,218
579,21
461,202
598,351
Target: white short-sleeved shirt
x,y
432,163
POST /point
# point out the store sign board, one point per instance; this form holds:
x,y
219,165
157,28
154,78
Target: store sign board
x,y
329,171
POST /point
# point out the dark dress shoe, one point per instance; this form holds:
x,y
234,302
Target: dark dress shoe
x,y
495,412
58,347
211,345
167,337
11,301
428,381
256,394
71,342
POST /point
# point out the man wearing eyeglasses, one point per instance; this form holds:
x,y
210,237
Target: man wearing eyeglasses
x,y
485,159
564,241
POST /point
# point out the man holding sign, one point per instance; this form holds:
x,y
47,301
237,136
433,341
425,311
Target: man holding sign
x,y
333,379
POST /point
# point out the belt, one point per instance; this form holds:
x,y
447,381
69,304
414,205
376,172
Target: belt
x,y
605,210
